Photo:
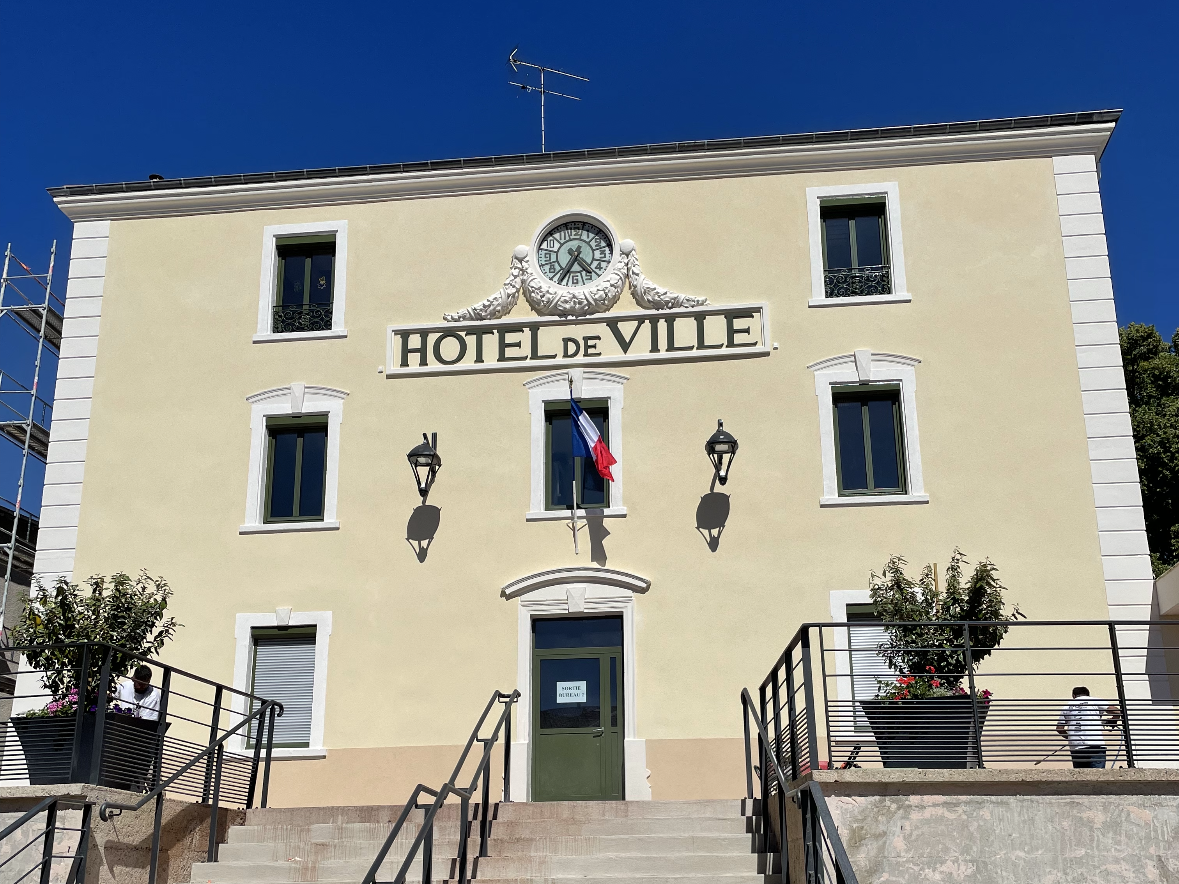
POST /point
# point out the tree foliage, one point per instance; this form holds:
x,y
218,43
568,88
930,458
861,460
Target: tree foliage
x,y
913,650
121,611
1152,384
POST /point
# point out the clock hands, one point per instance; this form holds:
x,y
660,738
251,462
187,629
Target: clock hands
x,y
574,257
581,261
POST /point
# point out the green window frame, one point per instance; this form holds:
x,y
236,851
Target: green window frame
x,y
870,443
830,210
590,487
304,302
307,476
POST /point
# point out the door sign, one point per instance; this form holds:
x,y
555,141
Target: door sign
x,y
571,692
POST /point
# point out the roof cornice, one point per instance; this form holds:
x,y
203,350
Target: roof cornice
x,y
861,149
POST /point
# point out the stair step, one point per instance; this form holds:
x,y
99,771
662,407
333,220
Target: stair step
x,y
624,879
593,845
488,867
500,828
587,810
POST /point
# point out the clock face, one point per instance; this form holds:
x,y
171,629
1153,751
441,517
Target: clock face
x,y
574,253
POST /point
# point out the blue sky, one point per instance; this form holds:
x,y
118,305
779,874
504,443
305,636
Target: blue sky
x,y
102,92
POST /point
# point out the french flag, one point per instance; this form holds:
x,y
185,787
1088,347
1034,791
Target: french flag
x,y
588,442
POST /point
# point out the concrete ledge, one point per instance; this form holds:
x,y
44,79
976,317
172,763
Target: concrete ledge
x,y
120,851
996,781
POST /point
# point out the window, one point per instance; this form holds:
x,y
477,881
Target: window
x,y
869,445
302,288
283,655
296,468
855,249
563,472
294,459
857,253
306,275
600,394
868,434
283,669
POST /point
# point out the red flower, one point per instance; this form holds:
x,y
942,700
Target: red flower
x,y
936,683
930,669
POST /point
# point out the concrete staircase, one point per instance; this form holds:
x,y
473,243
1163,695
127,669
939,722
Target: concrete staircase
x,y
649,842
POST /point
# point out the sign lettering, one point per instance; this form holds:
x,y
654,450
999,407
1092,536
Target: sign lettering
x,y
571,692
689,335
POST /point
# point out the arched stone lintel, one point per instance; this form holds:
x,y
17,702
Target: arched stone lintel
x,y
576,575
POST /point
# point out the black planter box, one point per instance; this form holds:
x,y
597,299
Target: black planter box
x,y
128,751
933,734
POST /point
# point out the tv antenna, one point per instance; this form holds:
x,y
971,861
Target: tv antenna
x,y
517,63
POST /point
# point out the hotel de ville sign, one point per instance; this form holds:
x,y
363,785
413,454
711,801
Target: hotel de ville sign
x,y
571,277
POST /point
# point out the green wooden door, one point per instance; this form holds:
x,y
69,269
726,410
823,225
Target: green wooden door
x,y
577,720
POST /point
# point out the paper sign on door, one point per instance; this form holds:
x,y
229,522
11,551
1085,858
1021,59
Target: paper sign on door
x,y
571,692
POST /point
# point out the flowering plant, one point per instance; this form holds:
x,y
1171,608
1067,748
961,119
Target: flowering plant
x,y
68,706
922,687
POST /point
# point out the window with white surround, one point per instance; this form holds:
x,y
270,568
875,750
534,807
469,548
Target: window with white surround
x,y
283,655
304,281
548,398
857,252
294,459
868,435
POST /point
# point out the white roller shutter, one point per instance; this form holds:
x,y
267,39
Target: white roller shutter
x,y
284,670
866,663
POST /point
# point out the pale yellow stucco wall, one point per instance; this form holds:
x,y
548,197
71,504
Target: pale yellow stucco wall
x,y
417,648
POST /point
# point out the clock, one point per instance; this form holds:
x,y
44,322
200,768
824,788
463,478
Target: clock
x,y
574,253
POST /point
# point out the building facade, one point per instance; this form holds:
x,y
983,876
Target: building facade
x,y
910,332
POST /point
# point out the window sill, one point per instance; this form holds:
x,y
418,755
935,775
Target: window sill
x,y
282,527
271,337
861,299
612,512
280,754
874,500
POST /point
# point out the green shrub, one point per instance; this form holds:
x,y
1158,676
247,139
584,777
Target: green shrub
x,y
121,611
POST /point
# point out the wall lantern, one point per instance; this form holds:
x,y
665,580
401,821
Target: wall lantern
x,y
425,463
720,445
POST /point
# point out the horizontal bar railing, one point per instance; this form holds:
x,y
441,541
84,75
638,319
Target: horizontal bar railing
x,y
837,696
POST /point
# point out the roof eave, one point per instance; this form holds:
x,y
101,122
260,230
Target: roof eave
x,y
289,190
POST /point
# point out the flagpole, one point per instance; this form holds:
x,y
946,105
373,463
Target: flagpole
x,y
576,551
573,460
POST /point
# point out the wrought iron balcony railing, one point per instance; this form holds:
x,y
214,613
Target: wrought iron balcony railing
x,y
302,318
854,282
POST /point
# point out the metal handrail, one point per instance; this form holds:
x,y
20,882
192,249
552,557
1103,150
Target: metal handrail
x,y
814,794
425,834
804,628
28,815
77,872
216,746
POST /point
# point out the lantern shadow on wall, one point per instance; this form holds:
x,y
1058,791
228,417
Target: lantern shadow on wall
x,y
421,528
711,515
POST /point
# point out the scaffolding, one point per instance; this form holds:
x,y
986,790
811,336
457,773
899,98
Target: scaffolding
x,y
27,299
